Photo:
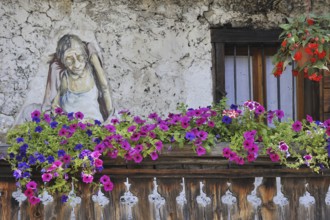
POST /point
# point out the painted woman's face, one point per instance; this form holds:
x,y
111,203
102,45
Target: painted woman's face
x,y
75,60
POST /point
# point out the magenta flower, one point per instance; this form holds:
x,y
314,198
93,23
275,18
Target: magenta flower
x,y
34,200
309,118
308,157
82,126
247,144
283,146
202,135
274,157
28,193
138,148
46,177
211,124
108,186
31,185
79,115
95,154
297,126
114,121
66,158
152,134
259,110
58,163
279,114
47,118
104,179
159,145
58,110
137,158
251,157
239,160
253,149
226,152
200,150
87,178
131,128
98,163
99,147
35,114
135,137
113,154
154,155
326,123
62,132
163,127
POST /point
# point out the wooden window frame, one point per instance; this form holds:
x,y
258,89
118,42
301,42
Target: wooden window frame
x,y
307,102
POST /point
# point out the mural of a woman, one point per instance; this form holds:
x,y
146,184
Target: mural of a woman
x,y
76,80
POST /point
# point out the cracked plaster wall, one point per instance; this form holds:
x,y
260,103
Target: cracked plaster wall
x,y
155,53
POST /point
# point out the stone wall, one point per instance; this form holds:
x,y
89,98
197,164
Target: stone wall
x,y
155,53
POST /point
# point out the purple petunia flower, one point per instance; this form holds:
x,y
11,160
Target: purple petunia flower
x,y
89,133
104,179
66,158
226,152
17,174
78,147
297,126
279,114
259,110
234,107
159,145
154,155
50,159
137,158
226,119
47,118
309,118
200,150
53,124
163,127
79,115
19,139
70,116
135,137
38,129
108,186
190,136
61,153
35,114
64,198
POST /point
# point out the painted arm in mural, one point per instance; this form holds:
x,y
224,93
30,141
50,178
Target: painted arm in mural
x,y
103,86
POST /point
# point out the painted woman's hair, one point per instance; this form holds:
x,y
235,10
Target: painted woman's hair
x,y
65,43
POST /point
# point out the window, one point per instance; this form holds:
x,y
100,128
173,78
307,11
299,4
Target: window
x,y
242,67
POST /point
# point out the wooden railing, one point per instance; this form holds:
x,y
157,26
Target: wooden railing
x,y
209,186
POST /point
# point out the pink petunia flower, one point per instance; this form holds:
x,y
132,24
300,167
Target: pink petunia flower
x,y
297,126
159,145
29,193
34,200
154,155
108,186
46,177
98,163
87,178
31,185
200,150
137,158
104,179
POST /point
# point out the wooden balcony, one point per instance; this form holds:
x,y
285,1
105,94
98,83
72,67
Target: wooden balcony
x,y
213,189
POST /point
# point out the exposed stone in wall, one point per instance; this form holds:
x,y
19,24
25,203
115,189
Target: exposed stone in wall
x,y
155,53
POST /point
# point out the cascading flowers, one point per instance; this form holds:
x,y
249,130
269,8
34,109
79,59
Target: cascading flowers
x,y
305,40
